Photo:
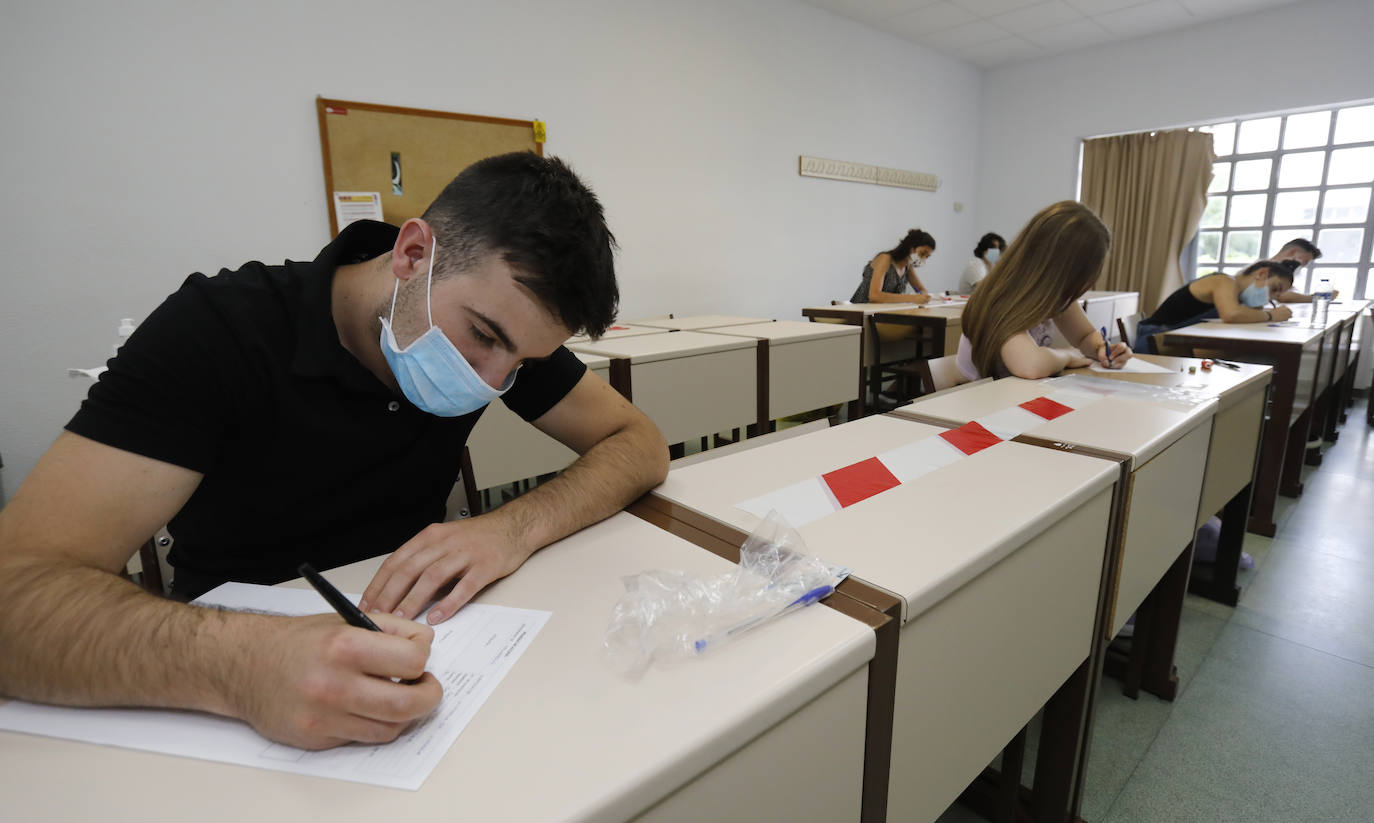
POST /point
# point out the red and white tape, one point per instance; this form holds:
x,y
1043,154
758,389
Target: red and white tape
x,y
816,497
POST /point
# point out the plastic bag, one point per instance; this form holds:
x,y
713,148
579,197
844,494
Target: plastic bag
x,y
672,615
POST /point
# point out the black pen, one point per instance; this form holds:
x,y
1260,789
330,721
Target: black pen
x,y
351,614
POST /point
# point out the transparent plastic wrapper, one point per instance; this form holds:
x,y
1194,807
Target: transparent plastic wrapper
x,y
669,615
1183,396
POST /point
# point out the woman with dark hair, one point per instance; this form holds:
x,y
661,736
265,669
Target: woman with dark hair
x,y
898,266
1056,258
1239,299
990,247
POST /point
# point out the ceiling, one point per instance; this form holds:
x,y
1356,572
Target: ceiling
x,y
992,33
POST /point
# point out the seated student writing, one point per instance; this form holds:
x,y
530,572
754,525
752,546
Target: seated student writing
x,y
1040,279
1239,299
898,266
317,412
1297,253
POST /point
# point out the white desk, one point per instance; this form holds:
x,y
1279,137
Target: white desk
x,y
702,321
564,738
1295,351
803,366
1165,448
689,383
997,612
618,330
504,448
1232,452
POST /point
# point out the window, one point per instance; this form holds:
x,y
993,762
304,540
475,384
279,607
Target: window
x,y
1308,174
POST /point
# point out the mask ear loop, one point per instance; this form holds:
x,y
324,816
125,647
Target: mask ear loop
x,y
429,312
430,280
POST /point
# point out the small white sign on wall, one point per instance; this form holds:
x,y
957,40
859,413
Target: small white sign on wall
x,y
864,173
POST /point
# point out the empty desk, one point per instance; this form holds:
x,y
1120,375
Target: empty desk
x,y
618,330
1164,449
997,611
503,448
1295,352
1232,454
702,321
689,383
801,366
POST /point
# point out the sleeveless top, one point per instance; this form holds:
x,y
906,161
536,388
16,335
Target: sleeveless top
x,y
1180,307
892,283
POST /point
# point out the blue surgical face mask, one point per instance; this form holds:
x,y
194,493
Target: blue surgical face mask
x,y
431,371
1255,296
991,255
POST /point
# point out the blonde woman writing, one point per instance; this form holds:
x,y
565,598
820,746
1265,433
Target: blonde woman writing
x,y
1039,280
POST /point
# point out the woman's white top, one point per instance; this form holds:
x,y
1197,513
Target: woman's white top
x,y
974,271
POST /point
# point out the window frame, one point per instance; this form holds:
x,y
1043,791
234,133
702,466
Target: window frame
x,y
1310,274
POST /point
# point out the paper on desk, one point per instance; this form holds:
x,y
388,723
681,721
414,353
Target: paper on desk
x,y
1133,366
471,654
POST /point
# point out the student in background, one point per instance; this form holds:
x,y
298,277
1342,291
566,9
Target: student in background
x,y
990,247
1239,299
1057,257
1297,253
898,266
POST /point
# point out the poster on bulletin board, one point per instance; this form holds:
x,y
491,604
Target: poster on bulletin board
x,y
397,160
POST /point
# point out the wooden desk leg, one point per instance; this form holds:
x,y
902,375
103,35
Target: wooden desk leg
x,y
1273,445
1062,733
1221,586
1009,792
875,371
1161,677
1290,480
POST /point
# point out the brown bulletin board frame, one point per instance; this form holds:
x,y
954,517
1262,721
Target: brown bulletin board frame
x,y
435,146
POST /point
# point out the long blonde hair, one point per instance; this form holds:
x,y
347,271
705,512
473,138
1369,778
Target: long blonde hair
x,y
1052,262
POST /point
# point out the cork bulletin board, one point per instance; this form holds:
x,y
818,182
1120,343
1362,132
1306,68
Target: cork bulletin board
x,y
407,155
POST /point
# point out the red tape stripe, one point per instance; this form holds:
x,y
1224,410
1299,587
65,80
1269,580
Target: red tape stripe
x,y
1046,408
971,438
860,481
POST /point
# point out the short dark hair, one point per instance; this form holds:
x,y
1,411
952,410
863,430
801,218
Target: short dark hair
x,y
1304,244
1272,269
987,241
914,239
543,221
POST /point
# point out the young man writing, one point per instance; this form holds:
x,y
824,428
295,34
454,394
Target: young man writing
x,y
316,412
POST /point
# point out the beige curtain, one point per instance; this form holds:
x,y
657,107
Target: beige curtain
x,y
1150,190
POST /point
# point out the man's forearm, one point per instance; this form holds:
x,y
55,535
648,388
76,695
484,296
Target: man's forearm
x,y
610,476
81,636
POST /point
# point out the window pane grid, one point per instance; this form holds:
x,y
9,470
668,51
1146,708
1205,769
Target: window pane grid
x,y
1243,220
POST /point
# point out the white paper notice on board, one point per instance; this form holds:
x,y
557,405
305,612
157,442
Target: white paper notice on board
x,y
471,653
352,206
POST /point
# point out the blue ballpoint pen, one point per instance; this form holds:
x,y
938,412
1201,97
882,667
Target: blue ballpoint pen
x,y
1105,346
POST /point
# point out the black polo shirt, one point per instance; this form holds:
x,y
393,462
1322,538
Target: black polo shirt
x,y
306,455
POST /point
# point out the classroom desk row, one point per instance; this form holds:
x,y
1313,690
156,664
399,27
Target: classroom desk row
x,y
1004,615
693,376
893,332
887,702
890,332
1313,374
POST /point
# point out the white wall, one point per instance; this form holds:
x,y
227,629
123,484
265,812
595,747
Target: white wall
x,y
1035,115
146,140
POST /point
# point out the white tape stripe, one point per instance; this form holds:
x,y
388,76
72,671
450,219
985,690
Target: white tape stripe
x,y
920,458
800,503
1008,423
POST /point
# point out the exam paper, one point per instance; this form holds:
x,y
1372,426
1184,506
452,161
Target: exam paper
x,y
471,654
1133,366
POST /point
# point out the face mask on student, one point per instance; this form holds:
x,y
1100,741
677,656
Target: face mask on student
x,y
431,371
1255,296
991,255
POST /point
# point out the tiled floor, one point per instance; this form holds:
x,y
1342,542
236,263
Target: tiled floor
x,y
1274,720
